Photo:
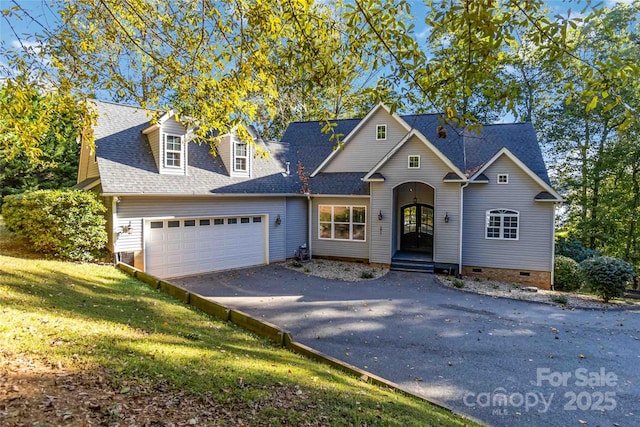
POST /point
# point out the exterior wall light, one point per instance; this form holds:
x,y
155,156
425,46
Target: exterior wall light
x,y
380,215
278,220
446,217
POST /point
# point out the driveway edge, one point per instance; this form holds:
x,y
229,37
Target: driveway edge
x,y
273,333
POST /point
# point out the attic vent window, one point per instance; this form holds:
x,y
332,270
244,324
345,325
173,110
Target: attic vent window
x,y
503,178
414,162
172,151
381,132
240,157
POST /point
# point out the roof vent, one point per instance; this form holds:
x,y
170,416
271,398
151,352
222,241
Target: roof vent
x,y
442,132
288,171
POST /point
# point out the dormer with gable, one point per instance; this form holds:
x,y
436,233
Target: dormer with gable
x,y
168,142
236,155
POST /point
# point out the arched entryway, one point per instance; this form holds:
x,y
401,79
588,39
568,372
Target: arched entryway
x,y
414,227
416,234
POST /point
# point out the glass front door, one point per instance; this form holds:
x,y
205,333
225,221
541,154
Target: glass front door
x,y
417,228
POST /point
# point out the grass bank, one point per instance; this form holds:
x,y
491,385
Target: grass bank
x,y
84,344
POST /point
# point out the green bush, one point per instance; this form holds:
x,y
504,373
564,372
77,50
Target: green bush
x,y
606,276
64,223
574,249
566,274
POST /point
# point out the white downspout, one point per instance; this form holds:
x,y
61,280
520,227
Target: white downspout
x,y
310,225
461,226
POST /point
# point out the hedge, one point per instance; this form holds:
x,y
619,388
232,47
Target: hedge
x,y
65,223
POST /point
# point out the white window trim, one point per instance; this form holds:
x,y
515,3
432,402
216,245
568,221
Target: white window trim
x,y
378,128
409,161
501,213
246,157
506,177
351,223
166,150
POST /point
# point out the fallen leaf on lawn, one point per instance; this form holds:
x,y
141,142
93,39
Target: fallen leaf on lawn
x,y
125,390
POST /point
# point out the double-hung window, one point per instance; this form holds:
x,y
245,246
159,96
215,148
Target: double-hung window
x,y
502,224
381,132
172,151
342,222
241,157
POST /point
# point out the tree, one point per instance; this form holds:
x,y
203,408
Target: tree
x,y
223,65
57,163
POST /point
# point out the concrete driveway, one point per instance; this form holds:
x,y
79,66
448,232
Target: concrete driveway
x,y
502,361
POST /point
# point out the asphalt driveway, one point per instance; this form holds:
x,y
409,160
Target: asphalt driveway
x,y
505,362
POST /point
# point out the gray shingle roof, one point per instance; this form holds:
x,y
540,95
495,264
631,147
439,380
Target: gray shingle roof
x,y
127,166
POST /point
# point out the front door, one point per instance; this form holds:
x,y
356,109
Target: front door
x,y
417,228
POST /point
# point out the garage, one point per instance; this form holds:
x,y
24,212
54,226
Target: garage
x,y
184,246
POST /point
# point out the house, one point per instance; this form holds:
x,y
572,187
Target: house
x,y
403,189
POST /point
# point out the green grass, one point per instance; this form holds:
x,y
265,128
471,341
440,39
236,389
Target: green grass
x,y
93,320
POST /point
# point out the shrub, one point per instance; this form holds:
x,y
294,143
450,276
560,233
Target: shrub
x,y
606,276
566,274
457,283
367,275
574,249
64,223
559,299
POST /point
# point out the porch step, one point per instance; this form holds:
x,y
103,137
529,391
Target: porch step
x,y
412,265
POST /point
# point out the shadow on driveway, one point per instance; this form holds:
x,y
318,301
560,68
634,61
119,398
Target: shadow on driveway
x,y
491,358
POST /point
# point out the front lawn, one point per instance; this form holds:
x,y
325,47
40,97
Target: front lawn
x,y
84,344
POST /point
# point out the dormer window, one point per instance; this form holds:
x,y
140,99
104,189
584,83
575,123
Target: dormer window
x,y
241,157
173,151
381,132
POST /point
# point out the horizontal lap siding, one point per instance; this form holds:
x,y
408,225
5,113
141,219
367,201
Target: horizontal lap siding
x,y
154,143
533,249
340,248
135,209
447,201
363,151
296,223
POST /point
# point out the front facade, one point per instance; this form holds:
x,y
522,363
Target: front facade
x,y
475,203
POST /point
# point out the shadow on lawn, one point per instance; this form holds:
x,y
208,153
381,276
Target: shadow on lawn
x,y
116,322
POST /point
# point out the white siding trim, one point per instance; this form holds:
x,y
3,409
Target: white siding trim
x,y
355,130
429,145
505,151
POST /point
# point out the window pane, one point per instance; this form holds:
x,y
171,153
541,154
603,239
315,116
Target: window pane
x,y
205,222
325,213
325,230
190,223
257,219
218,221
244,220
341,214
358,232
341,231
241,149
157,224
241,164
173,224
493,232
359,215
232,221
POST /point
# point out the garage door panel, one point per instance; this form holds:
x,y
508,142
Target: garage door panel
x,y
202,245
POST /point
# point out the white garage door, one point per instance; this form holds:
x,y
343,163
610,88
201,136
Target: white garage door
x,y
180,247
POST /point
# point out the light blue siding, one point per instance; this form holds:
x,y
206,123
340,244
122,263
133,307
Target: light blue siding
x,y
533,249
340,248
446,200
296,224
136,209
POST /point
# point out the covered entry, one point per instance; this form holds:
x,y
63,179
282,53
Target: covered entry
x,y
185,246
417,228
414,219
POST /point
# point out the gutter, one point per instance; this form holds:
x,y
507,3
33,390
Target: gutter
x,y
461,226
309,224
